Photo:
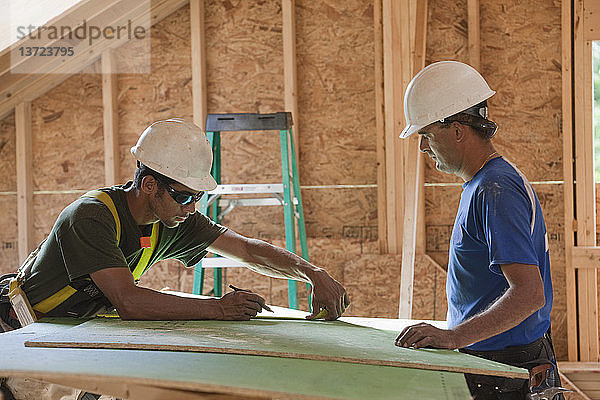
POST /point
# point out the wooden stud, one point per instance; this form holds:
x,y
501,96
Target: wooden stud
x,y
569,211
420,48
473,34
110,101
290,81
585,191
380,128
413,171
198,47
391,50
24,180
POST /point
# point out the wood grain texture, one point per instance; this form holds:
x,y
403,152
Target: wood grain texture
x,y
322,340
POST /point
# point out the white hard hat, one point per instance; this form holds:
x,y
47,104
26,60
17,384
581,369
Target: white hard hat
x,y
440,90
179,150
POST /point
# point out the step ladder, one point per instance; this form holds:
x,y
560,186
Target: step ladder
x,y
216,205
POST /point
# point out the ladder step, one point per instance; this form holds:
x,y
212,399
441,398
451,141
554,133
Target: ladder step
x,y
248,122
219,262
269,201
248,188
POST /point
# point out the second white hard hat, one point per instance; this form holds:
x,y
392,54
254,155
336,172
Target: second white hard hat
x,y
178,149
440,90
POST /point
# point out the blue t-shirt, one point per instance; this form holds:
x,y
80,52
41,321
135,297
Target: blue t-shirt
x,y
499,221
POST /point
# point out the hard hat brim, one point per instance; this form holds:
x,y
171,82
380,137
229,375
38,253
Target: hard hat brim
x,y
409,130
200,184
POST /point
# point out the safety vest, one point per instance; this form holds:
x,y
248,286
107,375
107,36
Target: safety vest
x,y
63,294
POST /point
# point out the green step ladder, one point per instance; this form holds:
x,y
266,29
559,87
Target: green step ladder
x,y
216,205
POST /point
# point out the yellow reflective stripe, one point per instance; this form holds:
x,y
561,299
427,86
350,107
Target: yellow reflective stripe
x,y
53,301
146,253
105,198
14,283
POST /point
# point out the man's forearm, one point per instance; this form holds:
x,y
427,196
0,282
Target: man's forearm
x,y
277,262
505,313
147,304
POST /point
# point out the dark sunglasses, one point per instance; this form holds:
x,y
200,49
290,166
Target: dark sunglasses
x,y
182,198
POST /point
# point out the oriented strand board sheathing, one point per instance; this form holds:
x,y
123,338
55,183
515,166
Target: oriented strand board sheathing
x,y
165,93
8,173
336,101
245,75
68,147
521,62
337,213
8,203
162,275
9,257
373,285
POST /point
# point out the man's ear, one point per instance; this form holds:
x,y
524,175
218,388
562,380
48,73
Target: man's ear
x,y
149,185
460,133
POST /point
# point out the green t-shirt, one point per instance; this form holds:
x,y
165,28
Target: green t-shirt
x,y
83,240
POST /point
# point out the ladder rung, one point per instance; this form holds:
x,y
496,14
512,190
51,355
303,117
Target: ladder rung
x,y
268,201
220,262
248,188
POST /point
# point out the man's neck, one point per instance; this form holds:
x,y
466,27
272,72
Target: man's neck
x,y
138,207
475,162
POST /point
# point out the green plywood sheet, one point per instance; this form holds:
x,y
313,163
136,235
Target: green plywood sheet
x,y
224,373
314,340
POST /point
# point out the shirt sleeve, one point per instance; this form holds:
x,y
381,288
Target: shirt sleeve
x,y
507,219
193,239
88,244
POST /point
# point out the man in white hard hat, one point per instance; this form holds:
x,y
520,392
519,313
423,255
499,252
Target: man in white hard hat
x,y
102,243
498,287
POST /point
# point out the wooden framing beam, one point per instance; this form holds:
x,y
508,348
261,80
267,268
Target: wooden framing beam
x,y
28,87
473,34
24,180
397,68
198,46
585,189
290,80
413,172
585,257
110,102
382,229
420,49
568,187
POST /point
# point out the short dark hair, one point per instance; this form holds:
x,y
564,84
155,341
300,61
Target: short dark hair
x,y
142,170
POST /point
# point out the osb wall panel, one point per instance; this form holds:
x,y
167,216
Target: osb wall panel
x,y
165,93
8,201
245,75
336,100
67,142
521,61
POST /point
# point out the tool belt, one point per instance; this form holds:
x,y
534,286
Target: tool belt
x,y
27,313
529,356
